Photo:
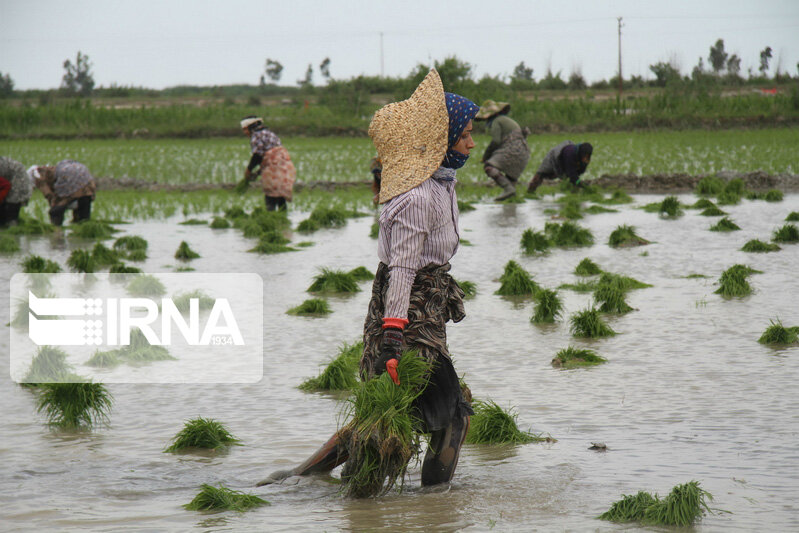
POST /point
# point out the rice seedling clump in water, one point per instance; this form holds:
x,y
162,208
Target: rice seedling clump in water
x,y
311,307
586,267
568,234
733,283
548,307
670,207
219,223
184,253
266,247
380,437
74,405
81,261
516,281
204,433
625,236
713,212
572,357
789,233
773,195
793,216
34,264
681,507
465,207
725,224
589,323
571,209
130,244
193,222
625,283
469,288
534,242
758,246
610,298
30,226
49,365
222,498
341,373
104,256
362,273
146,285
183,300
332,281
776,333
491,424
709,186
121,268
703,203
92,229
8,244
325,217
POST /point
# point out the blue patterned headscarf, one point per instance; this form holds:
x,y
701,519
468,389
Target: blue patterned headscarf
x,y
461,110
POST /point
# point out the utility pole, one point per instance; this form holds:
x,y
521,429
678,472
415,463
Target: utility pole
x,y
620,82
382,73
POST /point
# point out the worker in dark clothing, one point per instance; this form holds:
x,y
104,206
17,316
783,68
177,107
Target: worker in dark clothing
x,y
566,159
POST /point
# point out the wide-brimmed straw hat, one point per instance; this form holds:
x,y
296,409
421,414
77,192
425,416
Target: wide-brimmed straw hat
x,y
491,108
411,137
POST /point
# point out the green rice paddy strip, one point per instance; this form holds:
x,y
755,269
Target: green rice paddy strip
x,y
778,334
624,236
74,405
568,234
757,246
340,374
222,498
534,242
205,433
184,253
588,323
311,307
334,281
725,224
682,507
548,307
491,424
516,281
572,357
788,234
586,267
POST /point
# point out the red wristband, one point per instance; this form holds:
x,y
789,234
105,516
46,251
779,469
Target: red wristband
x,y
398,323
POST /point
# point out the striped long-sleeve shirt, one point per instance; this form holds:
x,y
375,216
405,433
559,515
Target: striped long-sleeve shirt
x,y
417,228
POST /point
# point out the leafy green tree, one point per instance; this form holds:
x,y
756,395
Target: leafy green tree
x,y
78,78
308,80
576,81
765,56
324,68
522,73
718,57
273,71
664,73
6,85
734,65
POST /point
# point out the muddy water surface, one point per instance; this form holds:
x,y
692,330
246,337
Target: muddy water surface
x,y
687,394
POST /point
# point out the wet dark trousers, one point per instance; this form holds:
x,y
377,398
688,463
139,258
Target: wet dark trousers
x,y
83,211
275,203
9,212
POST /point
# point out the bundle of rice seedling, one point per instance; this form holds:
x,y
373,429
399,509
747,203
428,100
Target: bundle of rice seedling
x,y
625,283
222,498
728,198
193,222
571,209
629,508
34,264
617,197
92,229
469,288
709,186
30,226
586,267
793,216
183,301
625,236
491,424
204,433
713,212
733,283
304,244
670,207
465,207
146,285
464,242
572,357
568,234
235,212
725,224
516,199
380,437
242,186
141,351
758,246
329,280
8,244
49,365
249,227
362,273
776,333
588,323
130,243
270,220
81,261
786,234
104,256
516,281
374,230
681,507
325,217
735,186
534,241
340,374
702,203
598,210
610,298
184,253
273,236
109,359
311,307
580,286
773,195
266,247
137,255
219,223
121,268
74,405
548,307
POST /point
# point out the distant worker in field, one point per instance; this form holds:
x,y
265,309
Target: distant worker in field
x,y
376,168
507,154
276,169
566,159
68,185
15,190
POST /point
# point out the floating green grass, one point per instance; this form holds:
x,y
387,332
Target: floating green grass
x,y
610,298
725,224
624,236
598,210
758,246
534,242
8,244
193,222
146,285
713,212
334,281
568,234
34,264
222,498
362,273
469,288
733,283
104,256
183,300
788,233
773,195
81,261
702,203
548,307
588,323
340,374
49,365
778,334
491,424
572,357
465,207
793,216
516,281
681,507
74,405
586,267
92,229
670,207
122,268
380,437
30,226
184,253
205,433
311,307
219,223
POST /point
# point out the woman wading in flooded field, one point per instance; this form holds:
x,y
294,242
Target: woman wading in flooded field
x,y
421,142
68,185
276,169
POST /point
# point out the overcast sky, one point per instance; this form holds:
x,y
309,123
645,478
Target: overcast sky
x,y
162,43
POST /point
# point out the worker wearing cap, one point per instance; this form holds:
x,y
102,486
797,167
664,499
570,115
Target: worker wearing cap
x,y
276,169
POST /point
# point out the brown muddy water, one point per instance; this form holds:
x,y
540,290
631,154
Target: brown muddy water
x,y
687,394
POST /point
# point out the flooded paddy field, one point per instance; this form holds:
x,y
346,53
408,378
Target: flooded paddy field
x,y
687,393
